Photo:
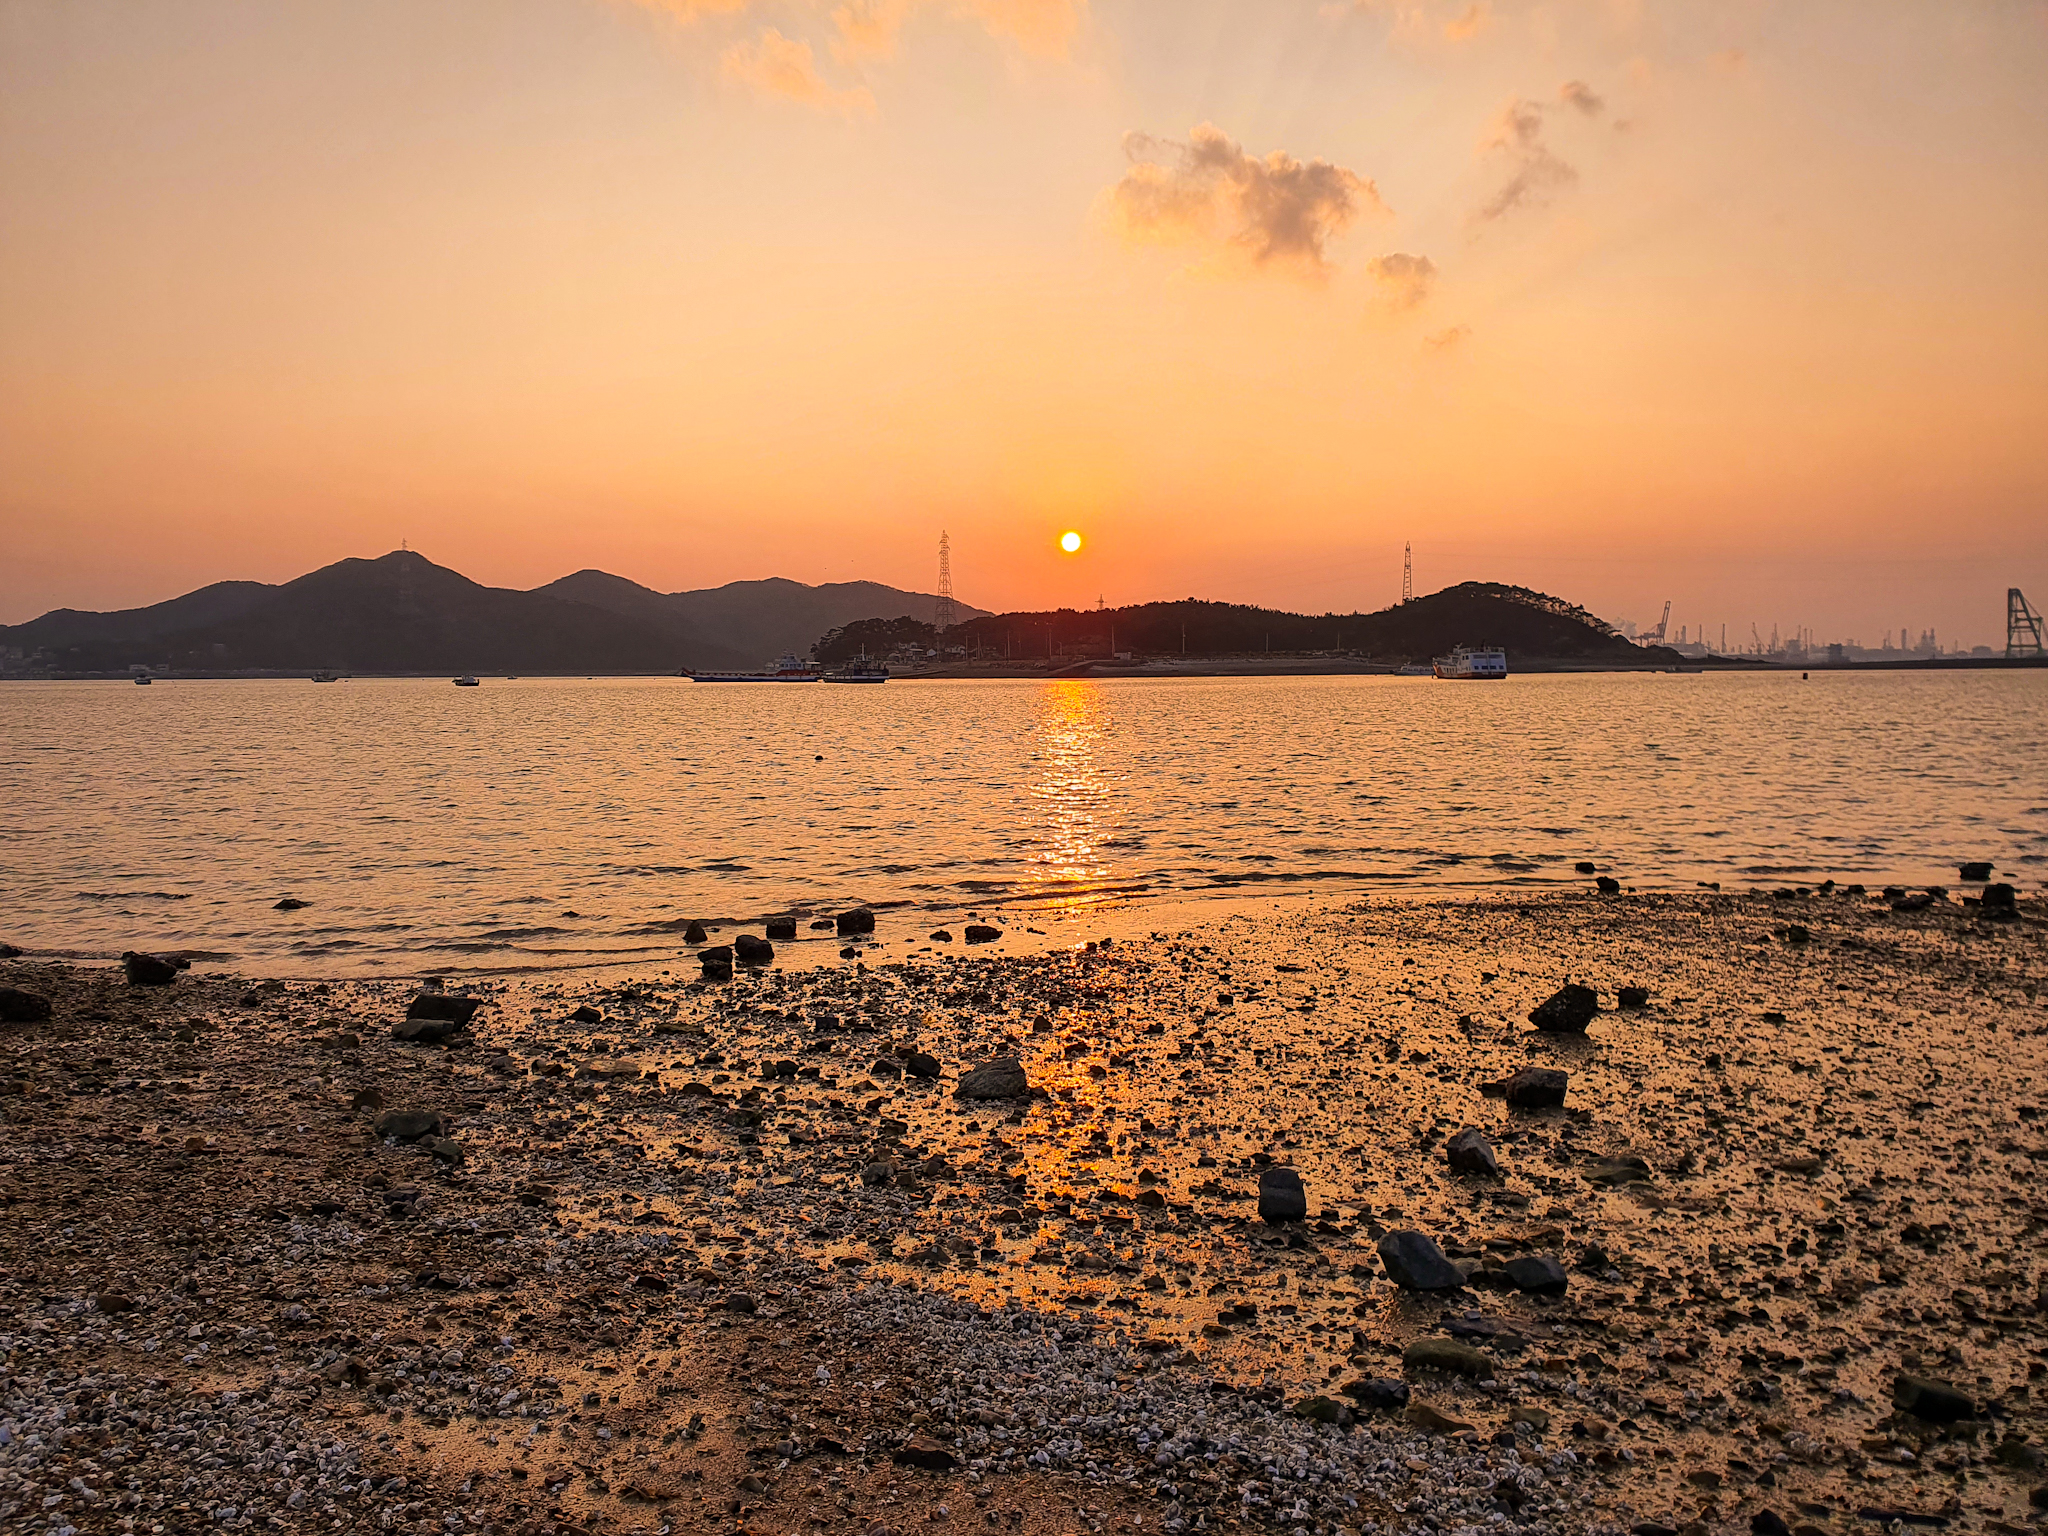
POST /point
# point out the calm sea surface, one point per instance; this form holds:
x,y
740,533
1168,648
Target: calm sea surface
x,y
563,822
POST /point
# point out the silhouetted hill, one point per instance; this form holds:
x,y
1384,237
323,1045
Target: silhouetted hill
x,y
1526,623
403,613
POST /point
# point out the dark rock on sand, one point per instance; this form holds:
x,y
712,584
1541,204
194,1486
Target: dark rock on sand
x,y
9,952
1633,997
1470,1152
1378,1392
148,970
1768,1522
782,928
585,1014
1415,1263
1448,1356
409,1124
716,962
1567,1011
941,936
749,950
425,1031
290,904
1538,1272
1935,1401
921,1064
1536,1088
456,1009
860,920
1976,871
2001,896
1282,1197
19,1007
925,1454
981,933
1586,867
1626,1169
1607,885
1917,901
740,1301
1002,1078
695,934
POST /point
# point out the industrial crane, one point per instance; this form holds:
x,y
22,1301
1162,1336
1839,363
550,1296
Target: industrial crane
x,y
1654,636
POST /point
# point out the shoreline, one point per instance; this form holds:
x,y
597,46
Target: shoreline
x,y
1801,1170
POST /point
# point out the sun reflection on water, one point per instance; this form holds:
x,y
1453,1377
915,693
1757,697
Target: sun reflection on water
x,y
1068,864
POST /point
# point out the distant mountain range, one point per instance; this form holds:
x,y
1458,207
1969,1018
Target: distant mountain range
x,y
403,613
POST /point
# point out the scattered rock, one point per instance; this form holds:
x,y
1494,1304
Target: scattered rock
x,y
1935,1401
781,928
1448,1356
446,1149
1916,901
148,970
290,904
1470,1152
585,1014
941,936
1767,1522
2001,898
1538,1272
1326,1410
1586,867
409,1124
1633,997
878,1175
716,962
860,920
981,933
921,1064
740,1301
1414,1262
1567,1011
925,1454
1536,1418
19,1007
1619,1170
1381,1392
1002,1078
749,950
1282,1197
1607,885
425,1031
1976,871
695,934
452,1007
9,952
1536,1088
1433,1418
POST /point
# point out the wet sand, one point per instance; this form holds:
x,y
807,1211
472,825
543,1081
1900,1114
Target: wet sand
x,y
714,1256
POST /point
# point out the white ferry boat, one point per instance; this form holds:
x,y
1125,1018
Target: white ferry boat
x,y
1468,663
860,669
787,669
468,680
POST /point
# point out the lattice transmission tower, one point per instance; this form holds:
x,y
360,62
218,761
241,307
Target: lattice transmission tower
x,y
2022,627
1407,573
942,610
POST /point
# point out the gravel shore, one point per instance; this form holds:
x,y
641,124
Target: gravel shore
x,y
680,1254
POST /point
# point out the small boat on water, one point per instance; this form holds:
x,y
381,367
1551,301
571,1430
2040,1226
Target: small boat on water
x,y
326,677
860,669
1414,669
1473,663
143,679
468,680
786,669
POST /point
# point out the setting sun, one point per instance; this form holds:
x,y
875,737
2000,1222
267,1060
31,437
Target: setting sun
x,y
1070,542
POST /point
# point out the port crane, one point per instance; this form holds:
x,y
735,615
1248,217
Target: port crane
x,y
1663,624
2022,627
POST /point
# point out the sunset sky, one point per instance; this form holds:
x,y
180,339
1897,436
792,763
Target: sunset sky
x,y
1741,304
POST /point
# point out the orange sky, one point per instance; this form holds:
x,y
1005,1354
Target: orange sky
x,y
1739,304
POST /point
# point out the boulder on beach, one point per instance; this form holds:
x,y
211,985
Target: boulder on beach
x,y
425,1031
1414,1262
749,950
2001,896
1976,870
1607,885
981,933
1002,1078
781,928
921,1064
1567,1011
695,934
454,1008
19,1007
1633,997
1377,1392
1586,867
1536,1088
1448,1356
9,952
409,1124
1538,1272
1282,1196
290,904
148,970
1470,1152
1937,1402
860,920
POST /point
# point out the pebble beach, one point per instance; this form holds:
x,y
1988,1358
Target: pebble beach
x,y
948,1238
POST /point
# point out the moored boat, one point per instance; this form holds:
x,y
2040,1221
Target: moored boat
x,y
786,669
860,669
468,680
1473,663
